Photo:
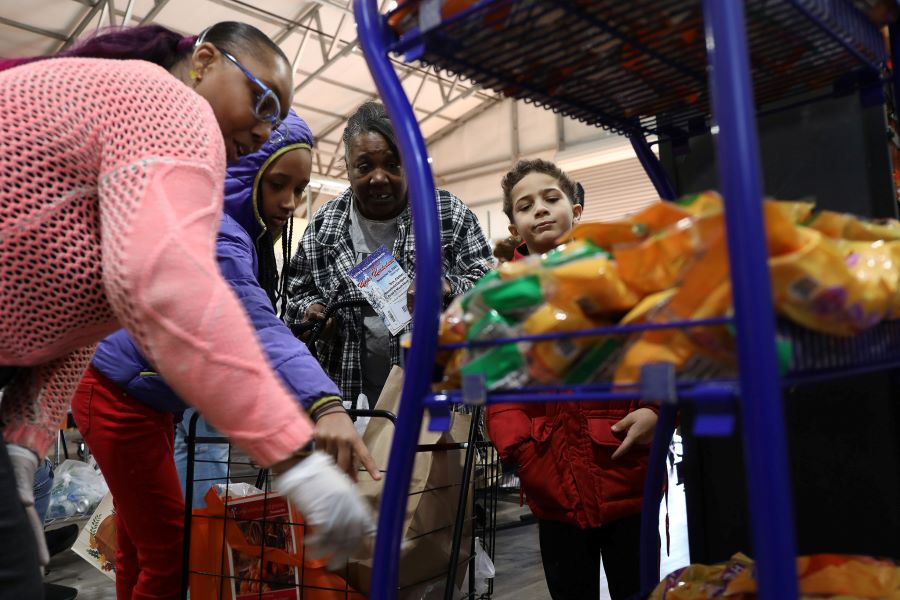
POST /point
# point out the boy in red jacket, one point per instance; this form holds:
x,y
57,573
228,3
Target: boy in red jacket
x,y
581,464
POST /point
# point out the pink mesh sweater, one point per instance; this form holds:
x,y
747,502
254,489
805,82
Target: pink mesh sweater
x,y
111,179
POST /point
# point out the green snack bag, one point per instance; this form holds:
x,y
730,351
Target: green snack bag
x,y
598,363
490,326
472,302
513,298
501,366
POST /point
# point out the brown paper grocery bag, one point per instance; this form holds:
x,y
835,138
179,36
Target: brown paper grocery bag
x,y
433,500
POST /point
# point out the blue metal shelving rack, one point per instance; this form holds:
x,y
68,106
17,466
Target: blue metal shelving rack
x,y
603,62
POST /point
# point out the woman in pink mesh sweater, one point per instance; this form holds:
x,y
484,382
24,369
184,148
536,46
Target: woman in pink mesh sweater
x,y
111,182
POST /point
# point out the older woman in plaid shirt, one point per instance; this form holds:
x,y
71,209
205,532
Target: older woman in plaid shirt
x,y
356,350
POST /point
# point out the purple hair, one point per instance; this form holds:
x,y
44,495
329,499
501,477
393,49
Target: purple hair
x,y
152,43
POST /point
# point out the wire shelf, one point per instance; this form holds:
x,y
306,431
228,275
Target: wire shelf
x,y
640,66
808,356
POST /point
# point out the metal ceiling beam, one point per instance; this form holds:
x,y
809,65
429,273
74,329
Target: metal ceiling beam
x,y
322,36
309,108
336,83
305,13
129,11
339,123
111,9
82,24
32,29
151,14
436,112
337,5
347,49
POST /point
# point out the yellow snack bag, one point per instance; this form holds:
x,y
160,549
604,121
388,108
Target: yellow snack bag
x,y
590,285
877,267
701,582
576,250
549,360
704,203
849,227
882,229
814,287
798,211
830,223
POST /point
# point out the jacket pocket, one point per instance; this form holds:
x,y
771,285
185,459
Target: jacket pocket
x,y
623,477
540,471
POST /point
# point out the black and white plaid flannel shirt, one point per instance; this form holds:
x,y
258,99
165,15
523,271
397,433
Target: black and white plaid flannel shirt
x,y
318,274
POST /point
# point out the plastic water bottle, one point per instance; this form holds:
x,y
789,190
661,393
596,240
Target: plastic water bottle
x,y
79,503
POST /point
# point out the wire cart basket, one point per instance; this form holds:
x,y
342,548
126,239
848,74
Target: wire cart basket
x,y
243,548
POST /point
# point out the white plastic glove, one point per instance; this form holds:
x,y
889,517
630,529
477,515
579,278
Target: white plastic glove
x,y
25,465
328,501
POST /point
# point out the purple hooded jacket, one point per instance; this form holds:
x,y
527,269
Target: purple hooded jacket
x,y
119,359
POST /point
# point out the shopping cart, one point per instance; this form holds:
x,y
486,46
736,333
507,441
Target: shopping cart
x,y
250,568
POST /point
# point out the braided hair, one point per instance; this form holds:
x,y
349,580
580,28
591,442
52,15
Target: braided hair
x,y
275,284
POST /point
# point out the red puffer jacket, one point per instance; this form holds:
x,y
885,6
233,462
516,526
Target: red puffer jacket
x,y
564,452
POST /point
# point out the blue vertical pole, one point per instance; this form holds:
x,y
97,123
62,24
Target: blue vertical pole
x,y
652,166
656,474
740,176
373,38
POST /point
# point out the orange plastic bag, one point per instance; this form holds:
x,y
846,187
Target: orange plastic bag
x,y
661,261
705,293
220,547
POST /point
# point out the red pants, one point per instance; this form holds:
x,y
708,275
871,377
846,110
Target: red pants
x,y
133,445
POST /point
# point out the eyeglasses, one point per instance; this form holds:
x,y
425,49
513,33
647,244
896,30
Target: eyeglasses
x,y
267,107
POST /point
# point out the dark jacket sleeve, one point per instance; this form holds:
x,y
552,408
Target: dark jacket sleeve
x,y
470,257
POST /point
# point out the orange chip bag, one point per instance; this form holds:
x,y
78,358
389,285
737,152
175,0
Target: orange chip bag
x,y
704,293
782,234
607,235
660,216
661,261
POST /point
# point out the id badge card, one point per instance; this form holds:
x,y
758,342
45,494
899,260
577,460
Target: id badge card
x,y
384,284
